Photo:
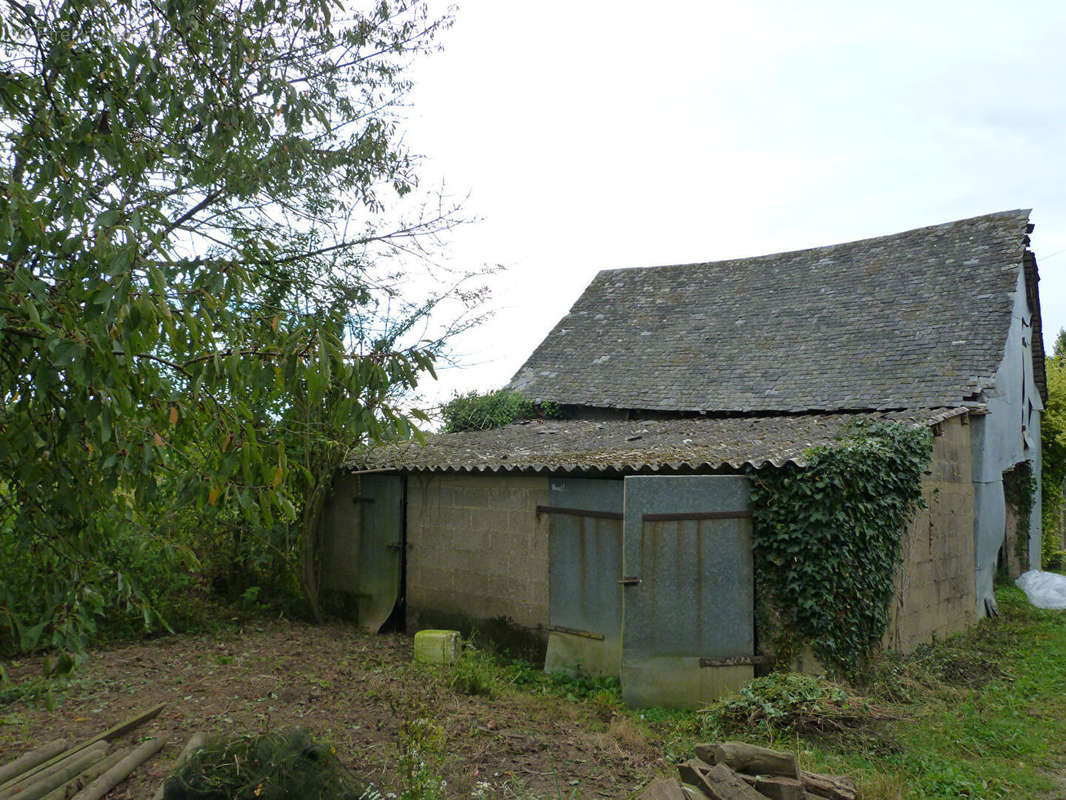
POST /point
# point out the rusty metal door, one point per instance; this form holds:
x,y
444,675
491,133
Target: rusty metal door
x,y
362,542
585,557
688,602
380,548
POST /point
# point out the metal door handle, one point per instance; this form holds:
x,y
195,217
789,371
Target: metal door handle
x,y
630,581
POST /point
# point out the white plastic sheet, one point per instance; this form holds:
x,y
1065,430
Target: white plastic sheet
x,y
1044,589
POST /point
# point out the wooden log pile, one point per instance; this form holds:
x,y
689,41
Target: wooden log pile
x,y
739,771
86,771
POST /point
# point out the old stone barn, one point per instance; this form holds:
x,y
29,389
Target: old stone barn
x,y
619,537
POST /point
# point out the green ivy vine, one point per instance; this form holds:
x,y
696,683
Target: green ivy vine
x,y
1019,491
827,539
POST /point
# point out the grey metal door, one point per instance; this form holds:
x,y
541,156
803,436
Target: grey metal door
x,y
361,537
381,543
688,597
585,557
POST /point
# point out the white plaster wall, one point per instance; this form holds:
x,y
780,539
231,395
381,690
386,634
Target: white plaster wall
x,y
1005,436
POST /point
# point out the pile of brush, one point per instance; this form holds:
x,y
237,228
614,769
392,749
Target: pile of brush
x,y
267,767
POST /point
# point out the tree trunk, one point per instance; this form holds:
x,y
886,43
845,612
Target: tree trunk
x,y
309,547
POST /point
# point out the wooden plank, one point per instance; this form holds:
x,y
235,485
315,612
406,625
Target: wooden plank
x,y
578,512
736,661
696,515
663,789
575,632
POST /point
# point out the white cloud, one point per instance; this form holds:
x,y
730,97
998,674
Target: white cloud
x,y
594,135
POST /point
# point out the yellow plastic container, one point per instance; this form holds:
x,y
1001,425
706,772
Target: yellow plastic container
x,y
437,647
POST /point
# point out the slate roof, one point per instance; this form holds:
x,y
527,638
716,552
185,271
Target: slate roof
x,y
913,320
696,443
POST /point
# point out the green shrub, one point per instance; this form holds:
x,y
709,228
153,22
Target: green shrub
x,y
475,411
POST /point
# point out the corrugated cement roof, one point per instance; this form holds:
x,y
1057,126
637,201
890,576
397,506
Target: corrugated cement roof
x,y
914,320
627,445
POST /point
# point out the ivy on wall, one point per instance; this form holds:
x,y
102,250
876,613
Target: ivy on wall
x,y
827,539
1019,492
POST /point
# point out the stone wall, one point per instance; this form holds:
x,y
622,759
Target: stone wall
x,y
476,549
936,590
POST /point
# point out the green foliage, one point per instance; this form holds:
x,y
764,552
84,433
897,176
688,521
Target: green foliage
x,y
1019,491
420,745
485,673
267,767
777,701
1053,454
474,673
476,411
44,691
827,539
189,339
603,691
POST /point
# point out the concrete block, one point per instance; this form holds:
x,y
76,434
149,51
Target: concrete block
x,y
437,646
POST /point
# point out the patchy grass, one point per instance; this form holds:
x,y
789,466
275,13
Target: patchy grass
x,y
982,715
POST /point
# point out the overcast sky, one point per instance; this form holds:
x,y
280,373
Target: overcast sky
x,y
593,135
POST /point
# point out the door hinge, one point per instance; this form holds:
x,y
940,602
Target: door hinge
x,y
629,581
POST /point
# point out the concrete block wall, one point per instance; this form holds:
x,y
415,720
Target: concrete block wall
x,y
936,589
476,548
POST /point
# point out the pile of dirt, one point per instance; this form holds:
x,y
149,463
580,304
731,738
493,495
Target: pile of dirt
x,y
267,767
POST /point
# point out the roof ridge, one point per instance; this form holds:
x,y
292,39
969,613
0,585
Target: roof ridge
x,y
863,240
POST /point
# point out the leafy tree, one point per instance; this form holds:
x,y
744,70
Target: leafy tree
x,y
1053,449
191,196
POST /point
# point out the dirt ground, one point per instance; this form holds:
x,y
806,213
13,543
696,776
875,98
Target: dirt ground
x,y
353,690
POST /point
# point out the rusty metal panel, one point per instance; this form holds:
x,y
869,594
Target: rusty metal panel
x,y
380,548
687,547
585,600
361,536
